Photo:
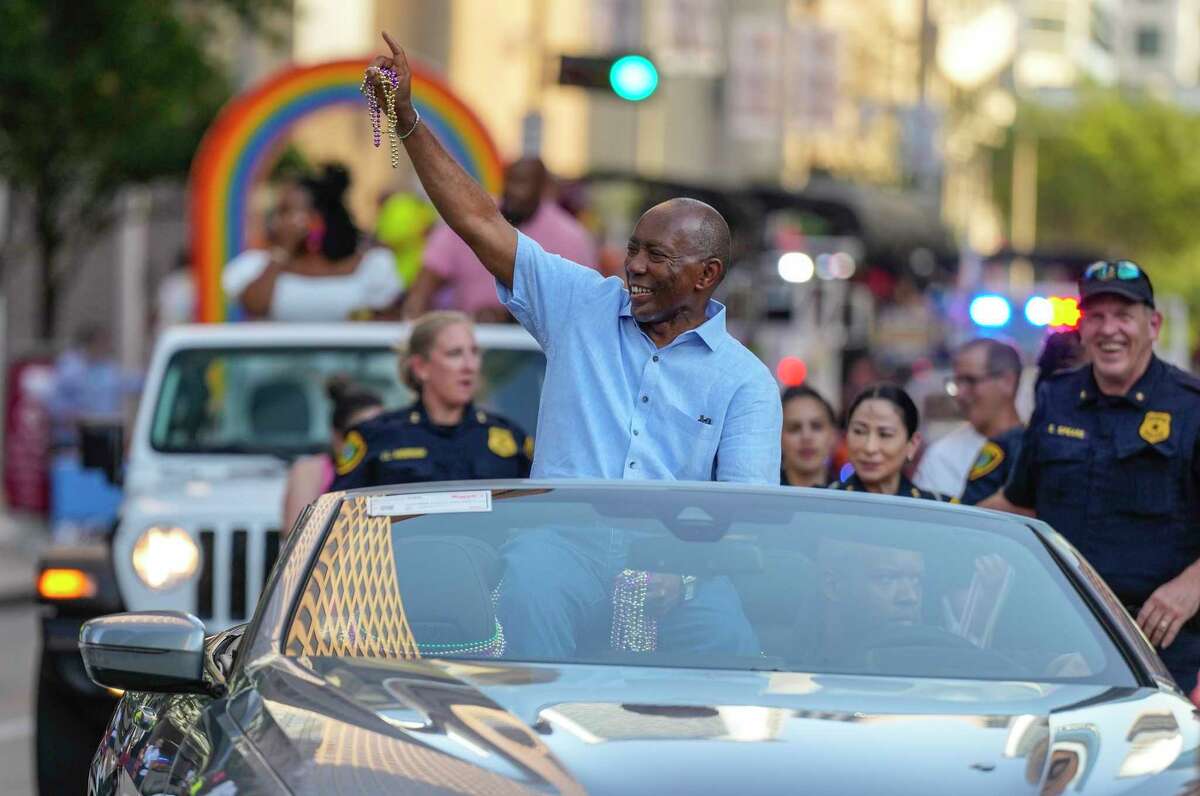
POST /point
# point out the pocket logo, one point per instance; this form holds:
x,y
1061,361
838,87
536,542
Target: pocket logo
x,y
1156,427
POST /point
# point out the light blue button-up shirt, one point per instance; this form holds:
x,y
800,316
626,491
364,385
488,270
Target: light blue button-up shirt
x,y
614,405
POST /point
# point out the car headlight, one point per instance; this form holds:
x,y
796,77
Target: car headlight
x,y
164,557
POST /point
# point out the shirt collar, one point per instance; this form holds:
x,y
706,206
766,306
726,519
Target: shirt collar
x,y
1138,394
712,332
906,488
415,414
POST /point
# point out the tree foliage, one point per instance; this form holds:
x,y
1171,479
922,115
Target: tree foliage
x,y
1118,172
100,94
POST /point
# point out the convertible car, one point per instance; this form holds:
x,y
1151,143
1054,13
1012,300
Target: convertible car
x,y
579,637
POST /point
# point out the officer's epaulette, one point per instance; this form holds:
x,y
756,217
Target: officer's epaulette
x,y
489,419
1185,379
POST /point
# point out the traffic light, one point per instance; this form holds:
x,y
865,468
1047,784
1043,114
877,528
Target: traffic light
x,y
630,76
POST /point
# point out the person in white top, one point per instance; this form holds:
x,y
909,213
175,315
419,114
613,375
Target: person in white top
x,y
317,271
945,465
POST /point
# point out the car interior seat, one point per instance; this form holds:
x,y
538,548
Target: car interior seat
x,y
775,598
280,410
447,585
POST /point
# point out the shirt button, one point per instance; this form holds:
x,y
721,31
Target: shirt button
x,y
645,398
635,432
632,465
655,357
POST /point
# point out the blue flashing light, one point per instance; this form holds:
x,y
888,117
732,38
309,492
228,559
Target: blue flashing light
x,y
1039,311
990,311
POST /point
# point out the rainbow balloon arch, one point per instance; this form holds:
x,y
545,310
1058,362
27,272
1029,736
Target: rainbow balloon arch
x,y
241,143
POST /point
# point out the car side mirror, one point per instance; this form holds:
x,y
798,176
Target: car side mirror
x,y
159,651
102,447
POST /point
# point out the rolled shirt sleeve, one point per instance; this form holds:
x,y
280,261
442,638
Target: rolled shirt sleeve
x,y
546,289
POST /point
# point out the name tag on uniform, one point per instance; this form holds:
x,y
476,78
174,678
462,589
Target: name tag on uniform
x,y
403,454
1066,431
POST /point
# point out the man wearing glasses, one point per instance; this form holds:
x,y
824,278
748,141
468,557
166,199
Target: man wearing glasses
x,y
1111,460
986,376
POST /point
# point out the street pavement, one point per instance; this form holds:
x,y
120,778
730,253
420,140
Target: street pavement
x,y
21,537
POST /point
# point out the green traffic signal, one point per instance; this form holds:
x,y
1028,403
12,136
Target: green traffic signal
x,y
633,77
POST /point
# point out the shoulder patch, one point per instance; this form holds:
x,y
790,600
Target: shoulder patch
x,y
991,456
354,449
501,442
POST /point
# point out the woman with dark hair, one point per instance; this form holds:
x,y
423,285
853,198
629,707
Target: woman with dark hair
x,y
882,437
316,269
810,433
312,476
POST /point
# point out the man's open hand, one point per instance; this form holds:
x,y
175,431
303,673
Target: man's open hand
x,y
1171,605
398,64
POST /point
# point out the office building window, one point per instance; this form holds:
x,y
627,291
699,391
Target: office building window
x,y
1149,41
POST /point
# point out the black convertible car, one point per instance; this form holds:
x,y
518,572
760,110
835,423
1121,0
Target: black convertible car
x,y
579,637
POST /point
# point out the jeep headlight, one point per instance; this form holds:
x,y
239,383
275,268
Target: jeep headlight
x,y
164,557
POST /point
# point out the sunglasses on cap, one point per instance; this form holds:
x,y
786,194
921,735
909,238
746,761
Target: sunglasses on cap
x,y
1108,270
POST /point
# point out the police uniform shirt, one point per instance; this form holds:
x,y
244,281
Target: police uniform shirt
x,y
1117,475
405,447
907,489
992,466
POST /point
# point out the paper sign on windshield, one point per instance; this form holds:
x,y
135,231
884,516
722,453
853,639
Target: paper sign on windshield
x,y
429,503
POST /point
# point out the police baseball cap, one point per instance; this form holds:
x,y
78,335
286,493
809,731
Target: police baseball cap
x,y
1123,278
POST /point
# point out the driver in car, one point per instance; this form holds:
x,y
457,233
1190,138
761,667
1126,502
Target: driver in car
x,y
867,589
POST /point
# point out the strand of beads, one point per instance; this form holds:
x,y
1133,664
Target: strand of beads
x,y
632,630
388,82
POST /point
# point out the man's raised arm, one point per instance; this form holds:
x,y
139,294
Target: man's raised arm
x,y
460,201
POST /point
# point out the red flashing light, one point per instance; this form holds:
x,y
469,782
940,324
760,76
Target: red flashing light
x,y
791,371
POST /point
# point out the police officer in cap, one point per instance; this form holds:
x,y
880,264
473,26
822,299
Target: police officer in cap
x,y
441,436
1111,459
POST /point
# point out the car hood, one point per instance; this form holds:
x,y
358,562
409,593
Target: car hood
x,y
481,727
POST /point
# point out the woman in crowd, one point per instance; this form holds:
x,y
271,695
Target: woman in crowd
x,y
312,476
882,437
810,433
317,268
442,436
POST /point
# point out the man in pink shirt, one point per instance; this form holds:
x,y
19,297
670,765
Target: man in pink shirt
x,y
452,276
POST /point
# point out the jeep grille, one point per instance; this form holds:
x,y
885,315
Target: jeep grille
x,y
236,563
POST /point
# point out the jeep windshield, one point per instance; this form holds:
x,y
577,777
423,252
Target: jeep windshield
x,y
273,400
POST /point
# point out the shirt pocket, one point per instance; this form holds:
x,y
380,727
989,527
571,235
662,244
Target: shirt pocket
x,y
1142,481
1063,478
691,443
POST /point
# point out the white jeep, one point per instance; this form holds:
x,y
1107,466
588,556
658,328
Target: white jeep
x,y
225,409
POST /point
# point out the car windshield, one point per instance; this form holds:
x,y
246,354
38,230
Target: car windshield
x,y
698,577
273,400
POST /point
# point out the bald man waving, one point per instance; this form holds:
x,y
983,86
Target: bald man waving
x,y
642,382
